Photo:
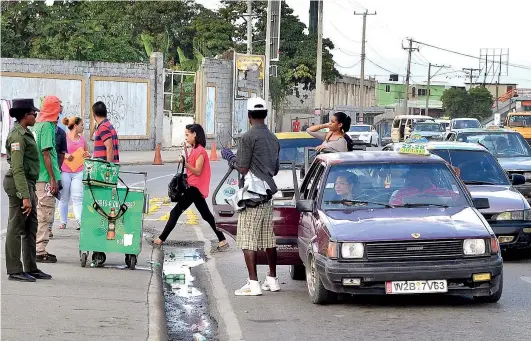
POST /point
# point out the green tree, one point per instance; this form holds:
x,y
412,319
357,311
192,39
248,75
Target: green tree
x,y
481,101
456,102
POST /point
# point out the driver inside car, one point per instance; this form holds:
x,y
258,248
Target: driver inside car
x,y
418,183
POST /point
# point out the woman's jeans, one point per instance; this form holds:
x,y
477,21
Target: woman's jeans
x,y
72,189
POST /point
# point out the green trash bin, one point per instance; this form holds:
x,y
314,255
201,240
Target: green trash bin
x,y
112,221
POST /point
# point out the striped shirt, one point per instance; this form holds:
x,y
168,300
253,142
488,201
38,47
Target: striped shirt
x,y
104,132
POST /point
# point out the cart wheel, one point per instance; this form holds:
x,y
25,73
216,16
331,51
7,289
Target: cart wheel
x,y
128,260
84,257
99,258
132,262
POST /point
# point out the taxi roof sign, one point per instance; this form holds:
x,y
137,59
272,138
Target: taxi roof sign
x,y
414,149
416,138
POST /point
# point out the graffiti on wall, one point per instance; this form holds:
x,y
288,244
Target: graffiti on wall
x,y
127,104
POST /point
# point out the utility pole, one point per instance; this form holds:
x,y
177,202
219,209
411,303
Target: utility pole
x,y
406,90
319,71
362,72
250,27
267,57
471,71
429,83
497,86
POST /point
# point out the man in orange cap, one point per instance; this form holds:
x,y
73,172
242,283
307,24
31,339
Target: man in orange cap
x,y
49,175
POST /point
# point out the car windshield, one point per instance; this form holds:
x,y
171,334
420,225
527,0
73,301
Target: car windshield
x,y
359,129
390,185
431,127
293,149
475,167
500,144
465,124
520,121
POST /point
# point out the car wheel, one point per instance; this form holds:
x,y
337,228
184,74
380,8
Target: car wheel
x,y
318,293
491,298
297,272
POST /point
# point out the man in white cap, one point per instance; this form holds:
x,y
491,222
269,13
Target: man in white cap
x,y
258,154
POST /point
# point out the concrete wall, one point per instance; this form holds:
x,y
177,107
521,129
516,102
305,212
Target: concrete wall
x,y
151,74
217,73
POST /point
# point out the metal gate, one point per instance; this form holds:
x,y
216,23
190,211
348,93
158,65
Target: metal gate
x,y
179,105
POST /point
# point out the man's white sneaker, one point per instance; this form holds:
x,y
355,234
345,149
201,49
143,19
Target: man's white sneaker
x,y
271,284
252,288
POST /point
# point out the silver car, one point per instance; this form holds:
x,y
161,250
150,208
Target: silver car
x,y
509,213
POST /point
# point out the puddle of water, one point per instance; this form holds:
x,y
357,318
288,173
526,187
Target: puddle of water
x,y
186,303
177,274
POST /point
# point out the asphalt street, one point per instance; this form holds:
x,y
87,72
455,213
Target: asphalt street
x,y
289,315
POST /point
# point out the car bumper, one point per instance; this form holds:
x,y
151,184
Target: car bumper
x,y
521,231
374,275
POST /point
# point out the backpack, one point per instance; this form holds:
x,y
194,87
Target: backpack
x,y
179,184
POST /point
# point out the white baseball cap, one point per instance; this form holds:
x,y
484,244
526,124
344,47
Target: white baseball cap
x,y
256,103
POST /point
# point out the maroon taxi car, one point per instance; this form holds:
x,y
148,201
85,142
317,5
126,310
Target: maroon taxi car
x,y
381,223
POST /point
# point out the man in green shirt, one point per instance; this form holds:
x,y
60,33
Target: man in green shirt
x,y
49,174
19,185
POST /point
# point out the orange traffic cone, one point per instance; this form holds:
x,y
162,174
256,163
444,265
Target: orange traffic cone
x,y
213,153
158,158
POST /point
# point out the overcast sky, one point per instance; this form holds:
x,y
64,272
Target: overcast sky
x,y
464,26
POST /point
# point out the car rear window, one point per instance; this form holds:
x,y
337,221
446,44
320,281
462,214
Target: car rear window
x,y
475,167
293,149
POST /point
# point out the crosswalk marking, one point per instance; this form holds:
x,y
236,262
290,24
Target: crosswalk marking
x,y
526,279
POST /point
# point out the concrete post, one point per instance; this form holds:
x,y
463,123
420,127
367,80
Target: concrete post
x,y
157,60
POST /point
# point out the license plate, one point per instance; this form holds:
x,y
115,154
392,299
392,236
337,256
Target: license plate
x,y
416,287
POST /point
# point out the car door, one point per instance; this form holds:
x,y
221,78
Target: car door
x,y
285,215
374,136
309,191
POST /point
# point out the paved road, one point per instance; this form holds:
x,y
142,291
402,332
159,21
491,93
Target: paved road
x,y
289,315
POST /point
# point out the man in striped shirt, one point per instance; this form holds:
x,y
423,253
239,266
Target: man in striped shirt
x,y
105,137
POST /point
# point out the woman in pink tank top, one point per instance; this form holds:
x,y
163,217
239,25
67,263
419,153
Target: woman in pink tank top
x,y
72,170
198,170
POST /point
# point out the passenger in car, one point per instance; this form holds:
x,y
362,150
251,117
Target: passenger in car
x,y
347,186
418,182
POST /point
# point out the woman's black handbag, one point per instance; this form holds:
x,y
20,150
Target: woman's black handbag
x,y
178,185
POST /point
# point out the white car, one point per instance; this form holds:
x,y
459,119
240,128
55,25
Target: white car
x,y
364,133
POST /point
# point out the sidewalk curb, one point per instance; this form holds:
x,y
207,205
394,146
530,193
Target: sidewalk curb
x,y
157,327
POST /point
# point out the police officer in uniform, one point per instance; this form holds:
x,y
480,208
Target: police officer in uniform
x,y
19,184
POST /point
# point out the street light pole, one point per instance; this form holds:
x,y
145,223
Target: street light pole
x,y
249,27
319,71
267,60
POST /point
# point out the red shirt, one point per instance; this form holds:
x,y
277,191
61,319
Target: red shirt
x,y
104,132
296,126
201,181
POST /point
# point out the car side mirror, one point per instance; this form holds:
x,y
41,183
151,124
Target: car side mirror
x,y
481,203
305,206
517,179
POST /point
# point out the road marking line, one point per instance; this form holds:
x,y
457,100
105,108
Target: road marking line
x,y
220,292
526,279
152,179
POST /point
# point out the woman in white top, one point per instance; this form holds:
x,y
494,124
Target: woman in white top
x,y
335,140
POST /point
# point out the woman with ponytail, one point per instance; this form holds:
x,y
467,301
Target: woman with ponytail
x,y
336,140
72,170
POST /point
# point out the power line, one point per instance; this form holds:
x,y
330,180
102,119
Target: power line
x,y
382,68
379,55
343,34
348,67
347,52
471,56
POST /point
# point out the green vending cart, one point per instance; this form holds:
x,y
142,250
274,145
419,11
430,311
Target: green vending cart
x,y
111,221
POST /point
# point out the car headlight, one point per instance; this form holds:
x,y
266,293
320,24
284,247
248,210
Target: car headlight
x,y
514,215
474,247
352,250
527,176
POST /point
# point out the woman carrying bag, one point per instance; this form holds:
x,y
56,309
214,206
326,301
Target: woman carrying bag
x,y
198,176
72,170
